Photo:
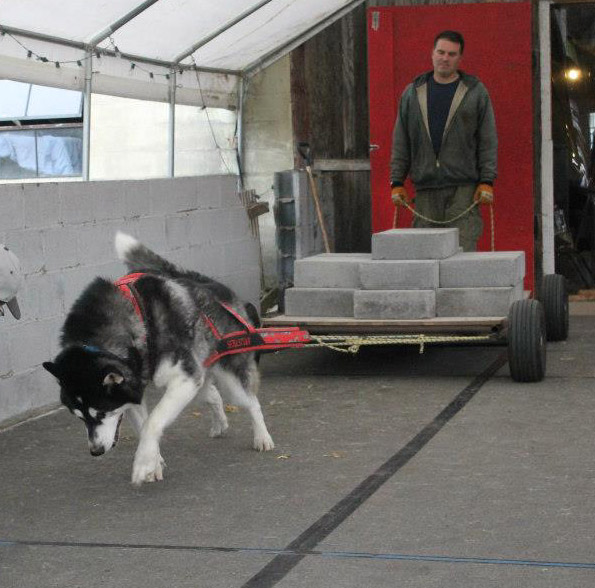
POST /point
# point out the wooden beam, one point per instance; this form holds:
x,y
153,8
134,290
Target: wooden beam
x,y
341,165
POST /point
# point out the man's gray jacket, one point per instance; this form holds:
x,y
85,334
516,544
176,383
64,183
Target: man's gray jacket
x,y
468,154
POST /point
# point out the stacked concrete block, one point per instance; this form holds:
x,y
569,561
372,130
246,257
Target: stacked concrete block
x,y
399,274
410,274
480,284
323,302
330,270
415,244
482,269
394,304
467,302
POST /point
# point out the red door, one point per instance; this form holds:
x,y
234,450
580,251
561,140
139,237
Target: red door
x,y
497,50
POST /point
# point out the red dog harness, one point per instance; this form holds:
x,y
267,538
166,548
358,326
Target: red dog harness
x,y
244,341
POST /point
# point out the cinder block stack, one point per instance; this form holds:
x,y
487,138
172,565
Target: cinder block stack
x,y
410,274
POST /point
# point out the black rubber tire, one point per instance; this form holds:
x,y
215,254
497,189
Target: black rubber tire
x,y
554,298
526,341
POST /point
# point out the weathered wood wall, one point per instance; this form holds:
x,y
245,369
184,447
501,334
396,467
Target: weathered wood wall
x,y
330,112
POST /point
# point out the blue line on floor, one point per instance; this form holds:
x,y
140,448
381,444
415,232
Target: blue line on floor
x,y
306,553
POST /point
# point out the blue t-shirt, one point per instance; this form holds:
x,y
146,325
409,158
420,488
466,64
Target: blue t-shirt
x,y
439,100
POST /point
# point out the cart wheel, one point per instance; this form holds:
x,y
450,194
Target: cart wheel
x,y
526,341
554,298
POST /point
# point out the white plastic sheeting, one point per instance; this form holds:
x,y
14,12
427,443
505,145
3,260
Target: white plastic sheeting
x,y
135,47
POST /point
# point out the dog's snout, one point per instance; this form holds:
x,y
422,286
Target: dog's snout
x,y
97,451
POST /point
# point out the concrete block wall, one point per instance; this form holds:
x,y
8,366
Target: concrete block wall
x,y
410,274
63,234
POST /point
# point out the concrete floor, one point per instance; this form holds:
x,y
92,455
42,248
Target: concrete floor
x,y
391,469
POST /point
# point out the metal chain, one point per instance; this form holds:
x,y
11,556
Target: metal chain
x,y
446,222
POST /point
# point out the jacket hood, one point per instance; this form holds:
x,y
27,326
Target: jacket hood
x,y
467,79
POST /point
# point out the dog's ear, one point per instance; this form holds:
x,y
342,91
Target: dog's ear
x,y
52,368
112,377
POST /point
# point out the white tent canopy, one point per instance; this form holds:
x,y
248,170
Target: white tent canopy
x,y
183,51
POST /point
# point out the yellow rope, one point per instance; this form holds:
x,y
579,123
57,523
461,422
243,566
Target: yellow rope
x,y
452,220
352,343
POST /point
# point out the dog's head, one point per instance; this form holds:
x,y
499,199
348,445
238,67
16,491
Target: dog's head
x,y
97,387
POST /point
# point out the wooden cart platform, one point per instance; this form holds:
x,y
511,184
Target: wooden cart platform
x,y
346,325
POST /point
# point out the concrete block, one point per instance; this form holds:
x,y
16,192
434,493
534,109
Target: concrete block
x,y
111,199
77,204
150,231
240,256
285,269
158,199
30,344
5,355
28,247
319,302
394,304
415,244
482,269
329,270
285,240
399,274
12,206
284,211
245,284
134,196
209,191
42,295
61,247
42,205
475,302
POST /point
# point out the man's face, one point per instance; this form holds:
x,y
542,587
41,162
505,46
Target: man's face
x,y
445,59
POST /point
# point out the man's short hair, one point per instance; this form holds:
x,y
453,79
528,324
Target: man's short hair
x,y
452,36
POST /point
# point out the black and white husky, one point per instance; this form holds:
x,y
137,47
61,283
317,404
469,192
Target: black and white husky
x,y
161,329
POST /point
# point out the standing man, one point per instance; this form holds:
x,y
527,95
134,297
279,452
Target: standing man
x,y
445,137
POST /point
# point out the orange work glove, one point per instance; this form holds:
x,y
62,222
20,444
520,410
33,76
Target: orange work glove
x,y
400,196
484,194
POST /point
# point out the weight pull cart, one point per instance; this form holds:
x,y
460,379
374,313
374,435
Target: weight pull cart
x,y
529,324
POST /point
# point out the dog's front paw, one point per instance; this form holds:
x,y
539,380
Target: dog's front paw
x,y
148,465
263,442
219,428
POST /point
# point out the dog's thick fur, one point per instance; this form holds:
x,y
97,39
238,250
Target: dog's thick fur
x,y
109,356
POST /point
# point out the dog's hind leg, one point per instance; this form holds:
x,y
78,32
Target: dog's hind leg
x,y
180,388
242,391
211,396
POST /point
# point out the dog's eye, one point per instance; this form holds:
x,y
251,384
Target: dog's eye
x,y
76,412
95,414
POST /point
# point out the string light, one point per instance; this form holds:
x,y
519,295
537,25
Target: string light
x,y
79,62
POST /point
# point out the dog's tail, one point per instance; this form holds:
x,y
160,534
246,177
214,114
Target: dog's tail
x,y
139,258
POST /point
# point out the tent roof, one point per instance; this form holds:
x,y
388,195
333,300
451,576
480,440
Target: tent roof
x,y
135,45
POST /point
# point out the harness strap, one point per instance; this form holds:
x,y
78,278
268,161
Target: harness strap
x,y
252,339
124,284
265,339
246,340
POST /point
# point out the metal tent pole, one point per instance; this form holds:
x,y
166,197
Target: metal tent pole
x,y
240,133
87,115
171,131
